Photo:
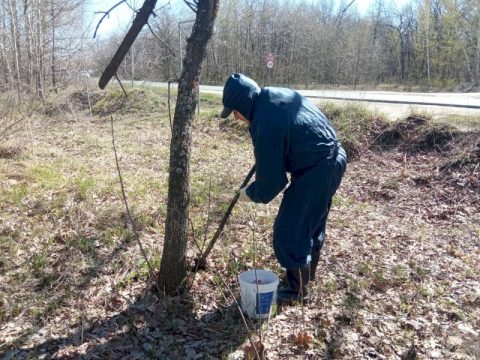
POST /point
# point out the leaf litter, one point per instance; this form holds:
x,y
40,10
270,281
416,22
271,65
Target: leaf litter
x,y
399,272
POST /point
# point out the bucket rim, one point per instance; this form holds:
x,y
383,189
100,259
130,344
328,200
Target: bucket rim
x,y
271,276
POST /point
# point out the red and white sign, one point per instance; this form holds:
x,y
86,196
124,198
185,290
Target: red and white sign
x,y
270,60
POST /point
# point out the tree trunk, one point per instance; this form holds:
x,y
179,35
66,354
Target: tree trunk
x,y
52,65
28,43
16,43
7,69
173,267
39,49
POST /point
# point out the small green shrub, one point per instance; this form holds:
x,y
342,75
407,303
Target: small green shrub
x,y
138,101
355,125
38,262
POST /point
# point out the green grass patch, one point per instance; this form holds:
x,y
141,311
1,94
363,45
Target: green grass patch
x,y
354,124
38,262
16,194
352,301
84,186
116,233
143,100
210,99
48,176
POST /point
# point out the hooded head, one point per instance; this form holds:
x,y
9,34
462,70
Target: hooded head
x,y
239,94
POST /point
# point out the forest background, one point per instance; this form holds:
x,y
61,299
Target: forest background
x,y
418,45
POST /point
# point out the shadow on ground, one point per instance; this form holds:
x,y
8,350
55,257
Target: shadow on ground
x,y
148,329
181,327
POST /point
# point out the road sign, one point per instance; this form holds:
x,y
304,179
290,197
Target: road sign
x,y
270,59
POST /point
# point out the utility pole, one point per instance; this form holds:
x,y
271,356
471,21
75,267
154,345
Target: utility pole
x,y
180,41
181,56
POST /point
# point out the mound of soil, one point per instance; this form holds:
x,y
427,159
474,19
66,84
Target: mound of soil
x,y
419,135
79,100
416,134
138,101
9,152
83,99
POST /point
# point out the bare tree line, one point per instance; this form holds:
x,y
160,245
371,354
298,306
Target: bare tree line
x,y
425,42
40,42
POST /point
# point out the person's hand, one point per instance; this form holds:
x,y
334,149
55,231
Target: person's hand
x,y
243,194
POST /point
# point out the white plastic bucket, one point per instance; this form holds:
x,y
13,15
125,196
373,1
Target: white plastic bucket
x,y
258,293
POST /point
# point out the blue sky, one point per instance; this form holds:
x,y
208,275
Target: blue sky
x,y
122,15
119,18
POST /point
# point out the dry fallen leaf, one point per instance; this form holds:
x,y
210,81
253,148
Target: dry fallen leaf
x,y
302,339
251,354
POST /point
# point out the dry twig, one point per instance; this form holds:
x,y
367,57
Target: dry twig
x,y
130,218
121,85
105,14
172,52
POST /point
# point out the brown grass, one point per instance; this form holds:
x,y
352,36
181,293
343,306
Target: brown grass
x,y
400,264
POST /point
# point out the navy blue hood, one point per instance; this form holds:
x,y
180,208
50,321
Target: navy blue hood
x,y
239,94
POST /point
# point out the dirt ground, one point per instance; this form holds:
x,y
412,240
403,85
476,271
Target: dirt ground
x,y
398,277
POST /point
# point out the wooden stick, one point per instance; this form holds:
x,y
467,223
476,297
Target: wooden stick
x,y
201,262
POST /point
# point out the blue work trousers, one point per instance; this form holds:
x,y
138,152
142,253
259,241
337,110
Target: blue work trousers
x,y
300,225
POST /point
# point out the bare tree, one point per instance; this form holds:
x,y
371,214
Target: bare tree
x,y
15,41
470,25
173,265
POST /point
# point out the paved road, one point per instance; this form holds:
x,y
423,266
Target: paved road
x,y
392,104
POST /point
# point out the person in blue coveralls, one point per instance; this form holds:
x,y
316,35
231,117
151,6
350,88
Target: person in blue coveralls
x,y
289,135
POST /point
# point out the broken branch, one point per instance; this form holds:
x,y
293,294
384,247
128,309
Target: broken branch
x,y
192,5
140,20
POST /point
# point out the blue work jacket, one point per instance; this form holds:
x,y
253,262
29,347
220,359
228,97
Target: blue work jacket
x,y
289,133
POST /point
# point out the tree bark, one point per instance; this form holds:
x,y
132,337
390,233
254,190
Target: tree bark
x,y
52,65
173,267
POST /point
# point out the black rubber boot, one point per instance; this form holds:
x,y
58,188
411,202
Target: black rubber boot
x,y
316,256
314,264
297,290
